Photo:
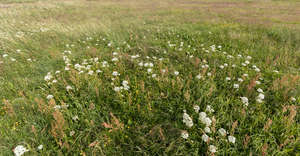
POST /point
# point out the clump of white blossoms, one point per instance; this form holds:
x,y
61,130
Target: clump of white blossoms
x,y
196,108
20,150
204,119
222,131
260,97
187,119
50,97
245,101
212,148
231,139
176,73
69,88
205,137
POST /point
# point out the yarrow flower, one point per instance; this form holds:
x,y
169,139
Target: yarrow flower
x,y
231,139
20,150
187,119
196,108
205,137
244,100
222,131
212,148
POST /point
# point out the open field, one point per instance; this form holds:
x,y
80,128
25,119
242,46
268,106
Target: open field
x,y
159,77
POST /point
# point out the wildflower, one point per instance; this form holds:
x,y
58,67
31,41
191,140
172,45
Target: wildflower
x,y
257,69
115,73
244,64
257,82
48,77
240,80
205,138
196,108
69,88
20,150
209,109
176,72
236,86
249,57
222,131
259,100
98,71
202,116
261,96
231,139
187,120
91,72
153,75
141,64
212,148
40,147
233,65
246,75
54,81
184,134
209,74
275,71
50,97
260,90
72,133
114,59
244,100
293,99
199,76
207,130
117,89
75,117
149,70
247,62
221,66
227,78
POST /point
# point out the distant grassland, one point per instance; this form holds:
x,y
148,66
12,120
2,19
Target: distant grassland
x,y
37,35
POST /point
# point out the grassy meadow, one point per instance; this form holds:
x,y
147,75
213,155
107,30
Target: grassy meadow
x,y
149,77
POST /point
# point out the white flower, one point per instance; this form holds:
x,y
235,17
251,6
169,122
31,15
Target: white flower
x,y
196,108
233,65
257,82
221,66
20,150
69,88
207,130
187,120
149,70
222,131
236,86
184,134
244,100
249,57
199,76
115,73
98,71
293,99
48,77
91,72
176,72
246,75
240,80
260,90
205,138
227,78
212,148
40,147
202,116
153,75
117,89
50,97
261,96
231,139
244,64
247,62
257,69
114,59
75,117
259,100
209,109
209,74
275,71
141,64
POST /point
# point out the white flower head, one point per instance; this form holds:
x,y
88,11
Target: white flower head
x,y
205,137
212,148
260,90
50,97
176,72
196,108
222,131
231,139
187,120
20,150
207,130
40,147
245,100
